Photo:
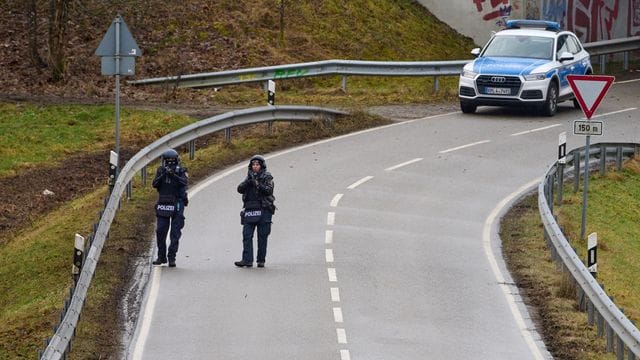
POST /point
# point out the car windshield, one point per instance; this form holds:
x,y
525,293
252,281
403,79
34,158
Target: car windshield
x,y
524,46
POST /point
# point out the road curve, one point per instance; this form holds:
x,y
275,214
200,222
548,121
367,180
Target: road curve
x,y
384,246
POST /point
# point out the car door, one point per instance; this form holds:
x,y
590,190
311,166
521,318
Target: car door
x,y
567,67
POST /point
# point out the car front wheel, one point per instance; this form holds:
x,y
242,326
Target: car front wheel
x,y
551,105
467,107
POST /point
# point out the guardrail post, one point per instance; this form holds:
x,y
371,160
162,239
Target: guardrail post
x,y
143,175
590,314
619,158
631,356
192,149
129,190
619,348
436,84
603,159
603,63
560,178
599,324
576,170
609,338
344,84
227,135
625,60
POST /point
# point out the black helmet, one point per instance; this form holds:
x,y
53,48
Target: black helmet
x,y
170,158
260,159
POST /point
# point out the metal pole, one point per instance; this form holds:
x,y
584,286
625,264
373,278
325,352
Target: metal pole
x,y
118,20
586,188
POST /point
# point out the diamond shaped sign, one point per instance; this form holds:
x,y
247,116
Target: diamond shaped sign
x,y
590,90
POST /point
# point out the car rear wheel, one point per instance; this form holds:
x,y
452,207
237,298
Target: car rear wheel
x,y
467,107
551,105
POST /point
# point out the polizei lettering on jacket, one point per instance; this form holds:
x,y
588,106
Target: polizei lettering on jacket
x,y
253,213
166,207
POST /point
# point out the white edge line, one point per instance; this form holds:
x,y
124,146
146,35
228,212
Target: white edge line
x,y
148,314
506,290
534,130
336,200
464,146
359,182
403,164
141,339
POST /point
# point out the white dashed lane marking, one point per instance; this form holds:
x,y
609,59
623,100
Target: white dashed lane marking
x,y
328,253
332,274
328,237
342,336
335,200
535,130
335,294
403,164
464,146
359,182
337,315
331,218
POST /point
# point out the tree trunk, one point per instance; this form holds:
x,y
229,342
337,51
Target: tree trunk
x,y
58,16
281,8
32,30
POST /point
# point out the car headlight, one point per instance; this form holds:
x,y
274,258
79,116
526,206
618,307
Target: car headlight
x,y
535,77
468,74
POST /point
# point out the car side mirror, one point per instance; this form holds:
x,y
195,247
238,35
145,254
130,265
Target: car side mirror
x,y
475,52
565,56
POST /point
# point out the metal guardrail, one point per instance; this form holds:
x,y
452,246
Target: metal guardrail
x,y
59,344
318,68
356,67
591,295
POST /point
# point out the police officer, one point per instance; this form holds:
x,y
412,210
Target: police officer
x,y
258,203
171,182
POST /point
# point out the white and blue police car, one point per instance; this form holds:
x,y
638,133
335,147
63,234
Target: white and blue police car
x,y
526,64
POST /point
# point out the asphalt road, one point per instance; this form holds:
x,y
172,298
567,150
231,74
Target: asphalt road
x,y
384,245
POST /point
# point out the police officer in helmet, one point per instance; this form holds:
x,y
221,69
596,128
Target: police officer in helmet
x,y
258,203
171,182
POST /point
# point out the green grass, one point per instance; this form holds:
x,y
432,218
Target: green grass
x,y
613,210
35,135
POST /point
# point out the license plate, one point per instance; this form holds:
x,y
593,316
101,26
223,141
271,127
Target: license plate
x,y
497,91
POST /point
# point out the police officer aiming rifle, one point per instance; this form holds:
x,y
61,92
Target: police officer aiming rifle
x,y
171,182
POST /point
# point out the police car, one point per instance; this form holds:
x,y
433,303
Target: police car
x,y
525,64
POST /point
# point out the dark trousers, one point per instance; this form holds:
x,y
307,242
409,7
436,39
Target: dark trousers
x,y
176,223
264,229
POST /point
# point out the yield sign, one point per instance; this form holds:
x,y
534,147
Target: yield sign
x,y
590,90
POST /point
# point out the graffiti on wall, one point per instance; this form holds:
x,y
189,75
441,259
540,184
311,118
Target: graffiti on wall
x,y
532,10
634,18
497,11
555,10
593,20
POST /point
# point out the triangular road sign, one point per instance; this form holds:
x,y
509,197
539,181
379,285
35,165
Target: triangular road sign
x,y
590,90
128,46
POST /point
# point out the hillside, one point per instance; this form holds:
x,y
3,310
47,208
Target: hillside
x,y
203,36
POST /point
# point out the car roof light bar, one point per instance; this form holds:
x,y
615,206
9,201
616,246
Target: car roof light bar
x,y
547,25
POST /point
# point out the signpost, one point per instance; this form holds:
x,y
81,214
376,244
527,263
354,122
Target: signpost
x,y
118,51
589,91
592,254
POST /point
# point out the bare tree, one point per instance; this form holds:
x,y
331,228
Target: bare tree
x,y
58,17
281,7
32,23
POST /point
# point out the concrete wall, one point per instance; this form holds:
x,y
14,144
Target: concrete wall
x,y
591,20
